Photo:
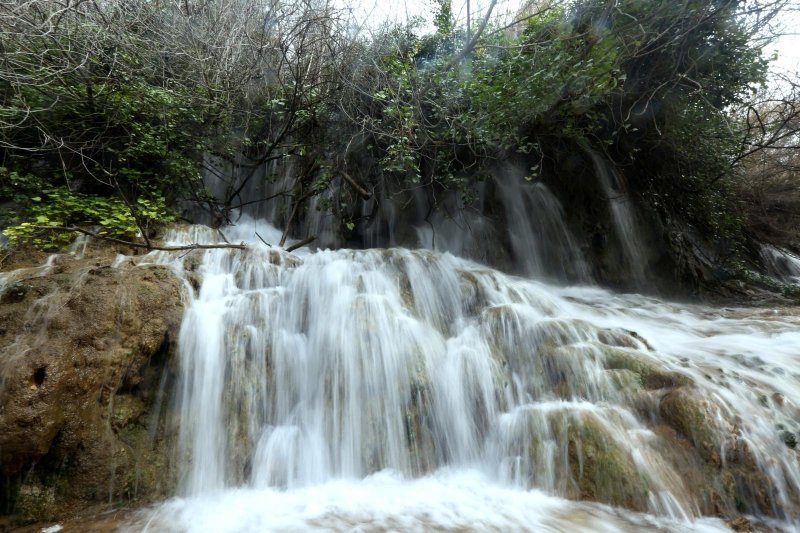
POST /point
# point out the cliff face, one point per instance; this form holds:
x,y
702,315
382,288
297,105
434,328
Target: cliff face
x,y
85,353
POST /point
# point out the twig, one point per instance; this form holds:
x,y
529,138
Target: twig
x,y
262,240
194,246
295,246
224,238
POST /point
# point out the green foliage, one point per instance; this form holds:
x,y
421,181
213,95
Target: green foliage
x,y
443,17
59,208
140,135
648,84
161,134
144,153
91,144
554,81
19,188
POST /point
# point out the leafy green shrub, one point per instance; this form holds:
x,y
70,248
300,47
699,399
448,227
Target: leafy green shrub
x,y
60,208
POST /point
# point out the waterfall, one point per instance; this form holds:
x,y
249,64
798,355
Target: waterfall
x,y
414,390
541,242
533,238
624,219
463,230
781,264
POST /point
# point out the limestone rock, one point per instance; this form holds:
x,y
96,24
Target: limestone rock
x,y
82,350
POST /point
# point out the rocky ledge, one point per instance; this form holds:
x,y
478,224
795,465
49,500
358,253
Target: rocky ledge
x,y
85,355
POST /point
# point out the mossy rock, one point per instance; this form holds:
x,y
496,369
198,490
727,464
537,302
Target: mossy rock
x,y
406,292
586,460
625,380
126,408
419,435
35,501
789,439
555,332
696,419
650,375
150,472
14,292
472,293
509,328
740,485
602,470
623,338
77,373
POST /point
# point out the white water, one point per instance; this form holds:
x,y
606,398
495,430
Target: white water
x,y
447,501
623,216
541,242
412,390
782,264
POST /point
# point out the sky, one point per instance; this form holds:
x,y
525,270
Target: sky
x,y
788,45
373,12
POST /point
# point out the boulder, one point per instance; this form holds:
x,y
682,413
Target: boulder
x,y
83,349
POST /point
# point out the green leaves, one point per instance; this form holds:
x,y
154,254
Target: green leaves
x,y
63,208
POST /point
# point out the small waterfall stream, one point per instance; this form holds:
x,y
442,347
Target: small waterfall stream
x,y
623,217
782,264
413,390
541,242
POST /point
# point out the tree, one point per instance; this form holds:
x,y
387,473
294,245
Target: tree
x,y
128,100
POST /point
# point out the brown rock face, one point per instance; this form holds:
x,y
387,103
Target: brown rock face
x,y
733,482
82,352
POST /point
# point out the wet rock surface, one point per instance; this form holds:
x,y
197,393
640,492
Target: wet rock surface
x,y
83,350
562,393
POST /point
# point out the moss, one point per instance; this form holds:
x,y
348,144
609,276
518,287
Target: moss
x,y
651,376
35,501
615,337
560,332
149,474
41,493
625,380
623,338
694,419
602,470
789,438
15,292
127,408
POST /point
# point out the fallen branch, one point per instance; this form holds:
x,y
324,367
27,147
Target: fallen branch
x,y
143,246
365,194
295,246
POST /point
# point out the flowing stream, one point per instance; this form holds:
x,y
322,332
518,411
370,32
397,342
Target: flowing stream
x,y
395,389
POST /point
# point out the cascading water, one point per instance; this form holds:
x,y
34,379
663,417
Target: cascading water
x,y
524,228
413,390
465,231
784,265
622,214
541,242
